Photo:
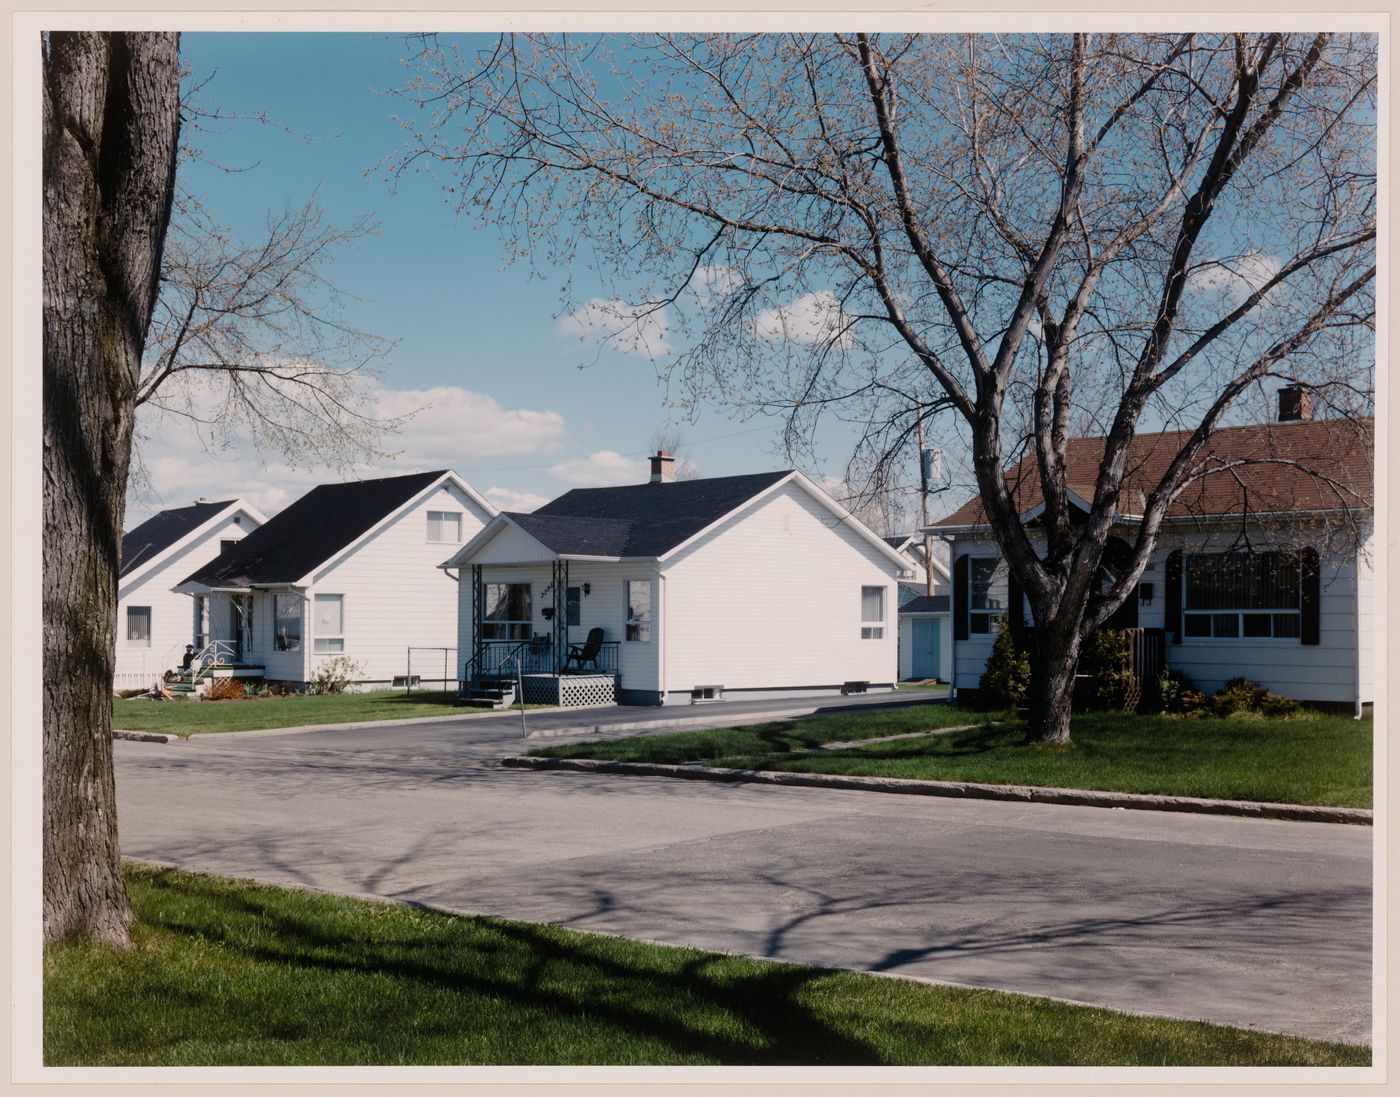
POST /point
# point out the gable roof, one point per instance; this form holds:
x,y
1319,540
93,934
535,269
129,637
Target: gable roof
x,y
639,520
654,520
1301,466
319,525
161,531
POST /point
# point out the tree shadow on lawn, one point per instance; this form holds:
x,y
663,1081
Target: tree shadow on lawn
x,y
498,961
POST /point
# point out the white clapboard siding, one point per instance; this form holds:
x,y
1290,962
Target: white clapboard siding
x,y
771,599
1326,671
395,594
172,615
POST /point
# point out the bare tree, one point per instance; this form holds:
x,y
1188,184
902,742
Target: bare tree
x,y
249,338
111,120
1049,235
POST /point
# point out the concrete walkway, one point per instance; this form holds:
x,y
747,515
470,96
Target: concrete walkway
x,y
1256,923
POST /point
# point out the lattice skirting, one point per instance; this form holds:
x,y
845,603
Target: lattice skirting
x,y
571,691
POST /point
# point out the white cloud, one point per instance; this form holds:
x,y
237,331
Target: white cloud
x,y
453,428
629,329
456,425
602,469
1237,278
811,319
518,501
710,285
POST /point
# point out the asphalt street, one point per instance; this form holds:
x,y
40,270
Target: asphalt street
x,y
1257,923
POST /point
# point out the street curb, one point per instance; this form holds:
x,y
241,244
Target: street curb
x,y
146,737
662,724
962,789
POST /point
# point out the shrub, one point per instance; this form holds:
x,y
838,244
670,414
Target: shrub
x,y
1109,665
334,675
1008,673
223,689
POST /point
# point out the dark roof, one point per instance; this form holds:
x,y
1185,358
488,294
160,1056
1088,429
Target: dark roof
x,y
158,533
899,542
640,520
1300,466
315,528
928,603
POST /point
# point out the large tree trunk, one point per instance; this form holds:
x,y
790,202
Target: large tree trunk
x,y
1054,659
111,119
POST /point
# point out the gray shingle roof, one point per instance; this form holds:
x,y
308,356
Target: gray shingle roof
x,y
159,532
311,531
640,520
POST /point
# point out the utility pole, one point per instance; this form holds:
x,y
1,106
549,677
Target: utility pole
x,y
926,462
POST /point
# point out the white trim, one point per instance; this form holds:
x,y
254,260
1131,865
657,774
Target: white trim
x,y
138,574
844,516
447,477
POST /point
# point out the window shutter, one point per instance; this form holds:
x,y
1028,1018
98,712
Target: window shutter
x,y
1015,608
960,567
1173,618
1310,601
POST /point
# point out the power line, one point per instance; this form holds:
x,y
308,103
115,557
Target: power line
x,y
634,453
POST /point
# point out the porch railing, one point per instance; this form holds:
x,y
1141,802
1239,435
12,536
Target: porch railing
x,y
501,659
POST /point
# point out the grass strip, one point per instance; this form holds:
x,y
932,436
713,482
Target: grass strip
x,y
1311,759
298,710
230,973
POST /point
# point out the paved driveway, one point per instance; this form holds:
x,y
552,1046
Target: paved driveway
x,y
1255,923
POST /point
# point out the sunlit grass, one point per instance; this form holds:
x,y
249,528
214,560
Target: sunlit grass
x,y
230,973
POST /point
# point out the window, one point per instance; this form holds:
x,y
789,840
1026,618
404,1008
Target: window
x,y
505,612
872,613
330,623
1254,595
138,626
572,602
445,526
986,581
286,622
226,545
639,609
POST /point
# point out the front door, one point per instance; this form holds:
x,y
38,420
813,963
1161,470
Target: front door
x,y
241,606
924,663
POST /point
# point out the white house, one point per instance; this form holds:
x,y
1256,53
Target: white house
x,y
347,570
1263,567
153,622
690,590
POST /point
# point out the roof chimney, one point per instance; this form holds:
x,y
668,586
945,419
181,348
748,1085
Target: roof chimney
x,y
1294,403
663,468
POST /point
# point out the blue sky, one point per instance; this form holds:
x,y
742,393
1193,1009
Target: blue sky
x,y
481,343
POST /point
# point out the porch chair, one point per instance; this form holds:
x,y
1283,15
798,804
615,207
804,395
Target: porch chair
x,y
587,652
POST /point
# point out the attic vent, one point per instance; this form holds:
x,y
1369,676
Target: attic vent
x,y
701,694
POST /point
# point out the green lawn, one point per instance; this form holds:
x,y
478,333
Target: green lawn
x,y
1312,759
227,973
251,713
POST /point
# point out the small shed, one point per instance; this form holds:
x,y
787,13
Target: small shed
x,y
925,638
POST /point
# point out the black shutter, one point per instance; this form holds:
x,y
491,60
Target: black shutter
x,y
1015,608
1173,618
1310,601
960,566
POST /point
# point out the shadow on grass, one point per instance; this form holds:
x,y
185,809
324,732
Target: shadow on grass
x,y
539,968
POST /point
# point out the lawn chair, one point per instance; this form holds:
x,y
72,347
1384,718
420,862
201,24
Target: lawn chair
x,y
585,653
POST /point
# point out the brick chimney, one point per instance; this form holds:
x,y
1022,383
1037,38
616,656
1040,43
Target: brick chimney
x,y
663,468
1294,403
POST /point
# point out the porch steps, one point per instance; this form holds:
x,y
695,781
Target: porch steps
x,y
489,693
